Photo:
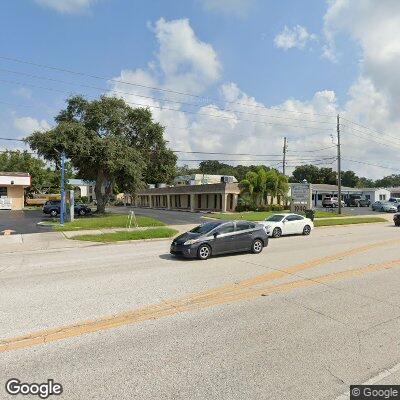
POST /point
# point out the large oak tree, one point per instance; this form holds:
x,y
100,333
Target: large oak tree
x,y
109,142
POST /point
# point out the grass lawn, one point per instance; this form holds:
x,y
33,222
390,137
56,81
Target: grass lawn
x,y
261,215
107,221
151,233
348,221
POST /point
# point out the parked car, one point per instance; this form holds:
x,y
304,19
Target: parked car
x,y
395,201
355,200
288,224
384,206
53,208
396,219
332,202
220,237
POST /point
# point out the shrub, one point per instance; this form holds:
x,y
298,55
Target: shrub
x,y
84,200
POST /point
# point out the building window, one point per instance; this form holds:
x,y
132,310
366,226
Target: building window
x,y
215,201
3,192
199,200
368,196
320,197
189,200
382,197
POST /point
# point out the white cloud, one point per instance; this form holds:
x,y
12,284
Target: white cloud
x,y
188,64
296,37
22,92
184,63
67,6
28,125
236,7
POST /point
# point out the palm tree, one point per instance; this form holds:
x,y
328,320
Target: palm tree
x,y
262,183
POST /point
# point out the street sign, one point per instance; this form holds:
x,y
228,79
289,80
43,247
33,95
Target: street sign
x,y
300,197
301,192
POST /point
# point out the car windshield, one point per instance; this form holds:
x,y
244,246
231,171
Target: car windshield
x,y
275,218
207,227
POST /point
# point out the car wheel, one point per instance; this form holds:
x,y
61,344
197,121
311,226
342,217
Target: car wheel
x,y
53,213
203,252
397,223
257,246
82,212
307,230
277,232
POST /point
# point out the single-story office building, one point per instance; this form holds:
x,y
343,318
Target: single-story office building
x,y
209,197
320,191
12,189
83,188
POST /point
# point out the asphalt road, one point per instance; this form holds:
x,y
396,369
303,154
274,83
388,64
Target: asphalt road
x,y
303,320
169,217
22,221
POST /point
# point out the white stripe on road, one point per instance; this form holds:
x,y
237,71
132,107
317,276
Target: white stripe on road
x,y
372,381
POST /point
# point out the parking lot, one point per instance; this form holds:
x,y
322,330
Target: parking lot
x,y
22,221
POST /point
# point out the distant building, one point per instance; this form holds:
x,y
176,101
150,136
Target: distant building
x,y
12,193
321,190
83,188
394,192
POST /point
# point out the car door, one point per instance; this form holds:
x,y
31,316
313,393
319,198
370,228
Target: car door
x,y
224,238
290,224
243,235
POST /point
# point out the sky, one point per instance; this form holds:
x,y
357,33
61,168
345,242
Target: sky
x,y
228,76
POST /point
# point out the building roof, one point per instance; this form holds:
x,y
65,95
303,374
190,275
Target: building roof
x,y
187,189
14,174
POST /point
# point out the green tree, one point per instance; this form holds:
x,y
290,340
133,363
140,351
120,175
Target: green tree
x,y
388,181
263,183
349,178
109,142
313,174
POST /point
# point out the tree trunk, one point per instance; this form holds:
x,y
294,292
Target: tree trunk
x,y
101,198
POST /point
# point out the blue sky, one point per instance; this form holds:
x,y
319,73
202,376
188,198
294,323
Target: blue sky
x,y
241,37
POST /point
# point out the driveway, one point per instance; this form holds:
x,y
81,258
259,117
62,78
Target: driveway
x,y
22,221
169,217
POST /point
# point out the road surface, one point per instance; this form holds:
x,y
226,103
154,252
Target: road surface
x,y
303,320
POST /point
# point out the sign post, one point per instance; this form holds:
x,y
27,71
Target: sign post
x,y
71,205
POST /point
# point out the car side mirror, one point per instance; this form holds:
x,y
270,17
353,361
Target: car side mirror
x,y
215,234
284,221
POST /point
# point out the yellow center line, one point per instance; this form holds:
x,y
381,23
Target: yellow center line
x,y
226,294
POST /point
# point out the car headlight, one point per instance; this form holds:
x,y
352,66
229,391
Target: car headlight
x,y
189,242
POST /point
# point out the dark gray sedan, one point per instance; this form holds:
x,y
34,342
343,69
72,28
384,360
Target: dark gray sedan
x,y
220,238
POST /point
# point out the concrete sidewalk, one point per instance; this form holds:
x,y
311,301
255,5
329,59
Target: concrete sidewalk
x,y
37,241
60,240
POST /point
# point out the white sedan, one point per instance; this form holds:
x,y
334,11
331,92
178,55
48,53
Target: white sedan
x,y
287,224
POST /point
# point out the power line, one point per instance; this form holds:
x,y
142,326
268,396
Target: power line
x,y
370,135
105,90
79,73
11,139
176,110
372,138
371,164
370,129
311,151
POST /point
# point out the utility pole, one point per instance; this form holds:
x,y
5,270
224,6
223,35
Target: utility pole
x,y
339,168
284,156
62,208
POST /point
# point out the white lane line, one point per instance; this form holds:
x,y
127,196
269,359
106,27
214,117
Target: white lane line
x,y
372,381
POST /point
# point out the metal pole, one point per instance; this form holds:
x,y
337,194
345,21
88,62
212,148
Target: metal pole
x,y
71,205
284,156
62,188
339,167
